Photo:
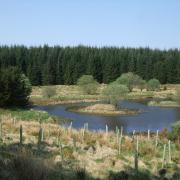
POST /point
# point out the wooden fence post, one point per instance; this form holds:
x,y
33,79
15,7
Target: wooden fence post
x,y
137,145
70,127
148,134
83,134
120,145
169,148
14,121
164,155
40,137
117,135
157,137
133,134
136,155
121,131
48,131
87,127
61,152
74,143
21,135
106,130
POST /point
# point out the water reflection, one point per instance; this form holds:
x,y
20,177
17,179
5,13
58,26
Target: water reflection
x,y
152,118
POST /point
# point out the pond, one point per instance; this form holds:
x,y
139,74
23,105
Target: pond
x,y
152,118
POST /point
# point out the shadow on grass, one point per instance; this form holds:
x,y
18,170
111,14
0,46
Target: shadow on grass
x,y
131,174
27,163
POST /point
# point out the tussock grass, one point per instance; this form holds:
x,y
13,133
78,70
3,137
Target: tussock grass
x,y
96,152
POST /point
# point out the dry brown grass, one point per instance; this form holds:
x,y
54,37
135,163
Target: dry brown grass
x,y
23,166
98,151
73,94
64,94
105,109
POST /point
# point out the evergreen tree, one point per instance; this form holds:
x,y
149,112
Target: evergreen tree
x,y
15,87
64,65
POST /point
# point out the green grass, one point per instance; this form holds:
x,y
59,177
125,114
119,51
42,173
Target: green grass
x,y
140,95
164,103
99,160
30,115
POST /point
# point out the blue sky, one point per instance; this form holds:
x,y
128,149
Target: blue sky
x,y
132,23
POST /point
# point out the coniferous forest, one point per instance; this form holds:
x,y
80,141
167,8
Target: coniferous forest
x,y
46,65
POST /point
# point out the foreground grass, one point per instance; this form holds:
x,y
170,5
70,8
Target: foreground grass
x,y
66,153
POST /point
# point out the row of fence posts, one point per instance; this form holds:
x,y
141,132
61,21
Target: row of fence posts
x,y
136,154
119,137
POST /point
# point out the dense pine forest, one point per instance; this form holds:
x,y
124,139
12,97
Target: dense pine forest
x,y
64,65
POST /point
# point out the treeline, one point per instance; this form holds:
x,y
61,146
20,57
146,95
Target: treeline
x,y
64,65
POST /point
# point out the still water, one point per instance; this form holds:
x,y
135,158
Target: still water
x,y
153,118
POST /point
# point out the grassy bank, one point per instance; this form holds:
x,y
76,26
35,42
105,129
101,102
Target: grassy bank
x,y
164,103
28,114
73,94
64,95
66,153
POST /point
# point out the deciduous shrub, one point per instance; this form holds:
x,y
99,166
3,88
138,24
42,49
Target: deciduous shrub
x,y
115,92
88,84
153,84
129,79
142,84
49,91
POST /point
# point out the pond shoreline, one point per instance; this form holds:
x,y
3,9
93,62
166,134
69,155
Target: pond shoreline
x,y
47,102
59,102
165,104
154,119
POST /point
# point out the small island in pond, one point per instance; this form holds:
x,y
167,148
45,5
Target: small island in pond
x,y
103,109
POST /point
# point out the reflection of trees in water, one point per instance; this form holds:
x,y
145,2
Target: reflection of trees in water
x,y
177,114
112,122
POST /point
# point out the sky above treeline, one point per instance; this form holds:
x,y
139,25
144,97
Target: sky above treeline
x,y
129,23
